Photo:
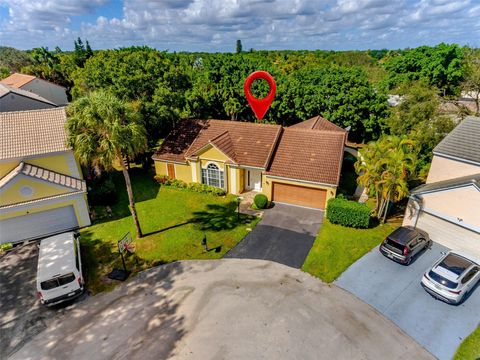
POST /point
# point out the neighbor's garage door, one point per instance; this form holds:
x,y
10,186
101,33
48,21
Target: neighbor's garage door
x,y
450,235
37,224
299,195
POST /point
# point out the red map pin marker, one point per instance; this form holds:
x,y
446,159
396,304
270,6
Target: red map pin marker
x,y
260,106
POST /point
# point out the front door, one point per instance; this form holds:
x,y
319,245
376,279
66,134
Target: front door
x,y
253,180
171,170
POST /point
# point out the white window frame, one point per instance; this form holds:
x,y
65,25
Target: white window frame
x,y
214,176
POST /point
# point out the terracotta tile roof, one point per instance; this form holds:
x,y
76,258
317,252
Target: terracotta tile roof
x,y
32,132
309,155
17,80
224,143
6,89
46,175
318,123
252,143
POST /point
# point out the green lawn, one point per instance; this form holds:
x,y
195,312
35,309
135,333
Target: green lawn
x,y
337,247
173,222
469,349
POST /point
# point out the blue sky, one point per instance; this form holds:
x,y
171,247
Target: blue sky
x,y
214,25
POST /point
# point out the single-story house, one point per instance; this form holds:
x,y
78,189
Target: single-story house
x,y
46,89
42,191
297,165
448,205
13,99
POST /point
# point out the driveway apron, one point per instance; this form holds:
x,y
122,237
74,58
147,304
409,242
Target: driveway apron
x,y
285,234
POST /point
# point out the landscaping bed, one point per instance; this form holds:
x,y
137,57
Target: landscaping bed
x,y
174,222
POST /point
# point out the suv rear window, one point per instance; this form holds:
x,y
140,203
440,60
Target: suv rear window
x,y
60,281
395,245
441,280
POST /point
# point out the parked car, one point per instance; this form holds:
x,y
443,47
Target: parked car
x,y
452,277
59,271
404,244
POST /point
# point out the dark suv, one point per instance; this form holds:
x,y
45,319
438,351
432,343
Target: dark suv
x,y
405,243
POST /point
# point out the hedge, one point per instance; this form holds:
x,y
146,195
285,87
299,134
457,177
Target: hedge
x,y
260,201
193,186
348,213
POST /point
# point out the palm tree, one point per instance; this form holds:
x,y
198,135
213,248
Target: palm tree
x,y
388,164
103,130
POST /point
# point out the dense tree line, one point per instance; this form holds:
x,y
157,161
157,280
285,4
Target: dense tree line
x,y
348,87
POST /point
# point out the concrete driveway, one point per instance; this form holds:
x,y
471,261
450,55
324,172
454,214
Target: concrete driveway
x,y
224,309
285,235
395,291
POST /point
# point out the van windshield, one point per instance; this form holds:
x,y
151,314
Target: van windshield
x,y
59,281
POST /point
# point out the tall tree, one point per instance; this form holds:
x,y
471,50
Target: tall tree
x,y
239,46
471,83
103,130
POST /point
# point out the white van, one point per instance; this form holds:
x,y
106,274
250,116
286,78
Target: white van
x,y
59,271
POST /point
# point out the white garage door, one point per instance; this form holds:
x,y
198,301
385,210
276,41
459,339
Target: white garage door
x,y
37,224
450,235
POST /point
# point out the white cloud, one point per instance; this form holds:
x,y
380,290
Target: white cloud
x,y
214,25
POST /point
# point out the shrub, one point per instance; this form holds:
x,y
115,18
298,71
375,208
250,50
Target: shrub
x,y
260,201
5,247
348,213
102,191
193,186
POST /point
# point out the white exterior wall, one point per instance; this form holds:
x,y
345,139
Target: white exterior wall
x,y
447,169
55,93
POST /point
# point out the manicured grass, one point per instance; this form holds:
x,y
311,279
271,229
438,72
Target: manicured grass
x,y
337,247
173,221
469,349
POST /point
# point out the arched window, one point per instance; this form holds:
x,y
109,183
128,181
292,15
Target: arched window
x,y
213,176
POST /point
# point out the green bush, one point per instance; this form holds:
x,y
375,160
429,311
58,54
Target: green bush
x,y
5,247
102,191
193,186
260,201
348,213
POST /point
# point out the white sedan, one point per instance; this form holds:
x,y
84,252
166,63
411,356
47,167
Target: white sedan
x,y
452,277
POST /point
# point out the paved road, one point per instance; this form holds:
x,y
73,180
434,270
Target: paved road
x,y
285,235
395,291
21,314
223,309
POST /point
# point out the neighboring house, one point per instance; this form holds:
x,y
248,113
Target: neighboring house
x,y
448,205
41,186
13,99
50,91
297,165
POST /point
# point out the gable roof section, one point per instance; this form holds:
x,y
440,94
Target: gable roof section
x,y
448,184
52,177
309,155
17,80
5,90
223,142
318,123
463,142
249,144
32,132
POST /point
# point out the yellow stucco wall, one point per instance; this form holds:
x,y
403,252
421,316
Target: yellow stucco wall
x,y
34,209
58,163
183,172
160,168
213,153
41,189
267,186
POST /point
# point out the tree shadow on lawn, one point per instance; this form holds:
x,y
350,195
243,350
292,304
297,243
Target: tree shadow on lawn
x,y
220,217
